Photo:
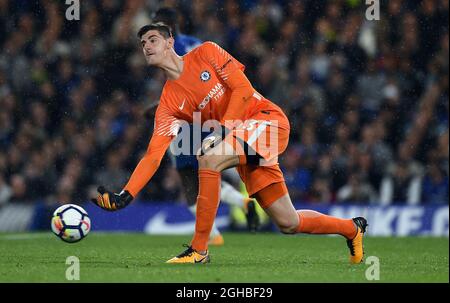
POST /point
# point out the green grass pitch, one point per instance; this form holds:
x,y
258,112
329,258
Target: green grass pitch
x,y
262,257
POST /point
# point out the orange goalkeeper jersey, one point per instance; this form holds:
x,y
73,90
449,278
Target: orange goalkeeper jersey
x,y
204,87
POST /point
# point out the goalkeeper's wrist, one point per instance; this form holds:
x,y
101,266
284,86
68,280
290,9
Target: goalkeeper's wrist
x,y
126,197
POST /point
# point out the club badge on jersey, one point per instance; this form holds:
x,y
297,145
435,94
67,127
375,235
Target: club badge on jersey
x,y
205,76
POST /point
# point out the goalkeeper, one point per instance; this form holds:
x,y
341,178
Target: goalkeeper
x,y
253,132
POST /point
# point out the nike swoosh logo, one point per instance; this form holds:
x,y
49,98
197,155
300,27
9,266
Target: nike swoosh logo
x,y
199,261
182,105
158,225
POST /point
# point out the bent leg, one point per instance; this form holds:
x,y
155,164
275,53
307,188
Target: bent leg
x,y
210,166
284,215
291,221
190,183
313,222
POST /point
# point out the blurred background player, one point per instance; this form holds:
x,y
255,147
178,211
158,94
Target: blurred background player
x,y
187,165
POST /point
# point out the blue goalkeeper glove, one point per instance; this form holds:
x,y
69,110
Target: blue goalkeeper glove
x,y
111,201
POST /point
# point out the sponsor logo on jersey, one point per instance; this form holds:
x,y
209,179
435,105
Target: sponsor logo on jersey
x,y
215,93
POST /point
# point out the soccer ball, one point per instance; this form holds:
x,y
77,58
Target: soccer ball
x,y
71,223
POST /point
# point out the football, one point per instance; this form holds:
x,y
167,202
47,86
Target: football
x,y
71,223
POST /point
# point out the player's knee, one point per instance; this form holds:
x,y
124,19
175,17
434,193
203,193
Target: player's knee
x,y
289,230
288,227
211,162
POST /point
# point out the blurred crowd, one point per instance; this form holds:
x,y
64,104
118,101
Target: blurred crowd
x,y
367,100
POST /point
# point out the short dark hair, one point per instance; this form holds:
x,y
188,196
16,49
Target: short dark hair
x,y
161,27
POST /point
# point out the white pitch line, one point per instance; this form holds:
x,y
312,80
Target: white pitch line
x,y
24,236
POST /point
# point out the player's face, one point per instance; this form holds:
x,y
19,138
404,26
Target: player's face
x,y
155,47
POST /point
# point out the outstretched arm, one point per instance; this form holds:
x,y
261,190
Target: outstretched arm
x,y
148,165
142,174
166,128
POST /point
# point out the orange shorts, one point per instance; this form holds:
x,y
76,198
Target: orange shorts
x,y
264,142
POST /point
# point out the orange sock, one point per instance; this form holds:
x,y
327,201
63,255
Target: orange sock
x,y
207,204
313,222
